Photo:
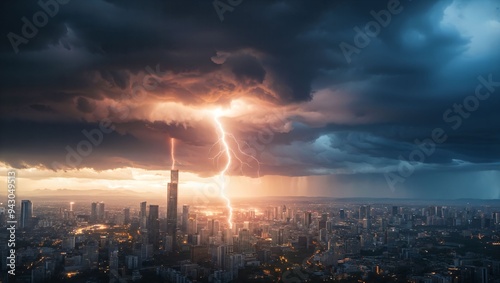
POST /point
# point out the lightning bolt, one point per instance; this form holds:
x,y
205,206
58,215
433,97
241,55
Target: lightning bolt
x,y
226,150
172,150
229,153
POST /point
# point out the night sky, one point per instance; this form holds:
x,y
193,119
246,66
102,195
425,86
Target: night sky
x,y
335,98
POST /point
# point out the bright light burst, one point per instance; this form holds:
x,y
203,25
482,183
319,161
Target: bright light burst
x,y
225,149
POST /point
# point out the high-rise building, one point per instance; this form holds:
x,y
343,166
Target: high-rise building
x,y
26,213
323,235
395,210
210,226
367,223
277,236
143,217
362,212
244,240
172,204
169,242
154,226
283,212
126,216
185,217
307,219
439,211
93,212
221,256
100,211
321,224
204,236
113,260
216,227
342,214
192,224
228,237
132,261
481,274
252,214
324,217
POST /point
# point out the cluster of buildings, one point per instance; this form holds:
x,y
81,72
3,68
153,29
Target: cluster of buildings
x,y
288,240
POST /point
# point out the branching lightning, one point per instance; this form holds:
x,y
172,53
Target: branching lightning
x,y
172,150
225,149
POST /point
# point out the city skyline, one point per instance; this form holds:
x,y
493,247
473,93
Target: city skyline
x,y
260,141
385,99
289,239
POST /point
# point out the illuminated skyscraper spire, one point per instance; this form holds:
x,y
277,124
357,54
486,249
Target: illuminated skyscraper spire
x,y
172,194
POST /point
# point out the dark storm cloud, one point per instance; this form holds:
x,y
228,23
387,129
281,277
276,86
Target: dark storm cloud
x,y
394,90
41,108
247,69
125,36
85,105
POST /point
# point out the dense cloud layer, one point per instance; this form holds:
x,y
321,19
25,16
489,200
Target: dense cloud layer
x,y
305,91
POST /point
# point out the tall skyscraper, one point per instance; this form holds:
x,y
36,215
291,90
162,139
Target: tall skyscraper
x,y
324,216
216,227
244,240
154,226
93,212
192,224
100,211
26,213
362,212
307,219
113,260
395,210
172,204
277,236
126,217
365,216
221,256
143,216
210,225
185,217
